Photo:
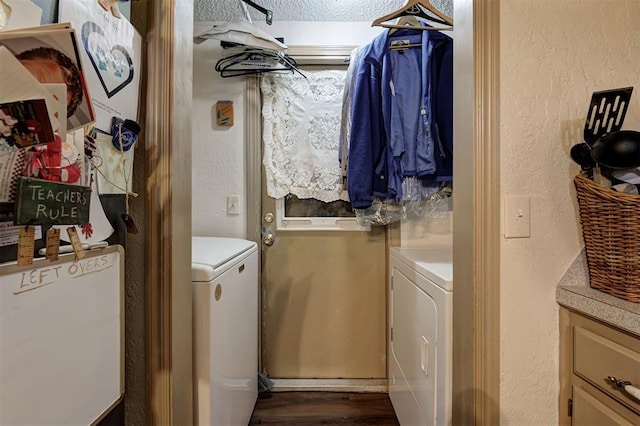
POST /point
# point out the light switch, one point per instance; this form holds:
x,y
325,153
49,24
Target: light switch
x,y
517,216
233,204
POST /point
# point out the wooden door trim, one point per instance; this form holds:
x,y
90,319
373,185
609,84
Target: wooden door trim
x,y
487,211
477,216
169,42
253,148
476,241
330,385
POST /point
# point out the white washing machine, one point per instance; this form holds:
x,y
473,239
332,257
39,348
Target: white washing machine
x,y
420,335
224,273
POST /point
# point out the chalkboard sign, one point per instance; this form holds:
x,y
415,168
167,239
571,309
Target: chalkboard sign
x,y
43,202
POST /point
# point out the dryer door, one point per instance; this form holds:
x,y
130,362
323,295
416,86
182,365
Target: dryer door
x,y
415,325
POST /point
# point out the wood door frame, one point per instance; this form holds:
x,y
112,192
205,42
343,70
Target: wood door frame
x,y
476,204
486,255
476,224
169,47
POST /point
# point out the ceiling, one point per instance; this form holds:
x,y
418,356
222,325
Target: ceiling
x,y
307,10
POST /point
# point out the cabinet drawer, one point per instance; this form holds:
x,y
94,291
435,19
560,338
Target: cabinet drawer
x,y
600,352
590,410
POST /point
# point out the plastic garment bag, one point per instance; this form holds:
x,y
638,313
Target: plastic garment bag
x,y
428,202
241,31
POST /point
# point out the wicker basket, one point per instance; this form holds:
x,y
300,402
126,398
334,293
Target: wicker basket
x,y
611,230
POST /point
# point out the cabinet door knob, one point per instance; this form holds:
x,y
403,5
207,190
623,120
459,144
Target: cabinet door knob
x,y
625,386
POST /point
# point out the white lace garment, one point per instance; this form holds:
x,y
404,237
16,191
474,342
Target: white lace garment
x,y
301,130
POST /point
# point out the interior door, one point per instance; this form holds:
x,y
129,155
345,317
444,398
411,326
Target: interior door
x,y
323,294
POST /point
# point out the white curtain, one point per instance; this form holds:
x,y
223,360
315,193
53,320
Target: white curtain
x,y
301,119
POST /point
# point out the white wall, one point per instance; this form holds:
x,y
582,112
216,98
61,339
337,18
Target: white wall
x,y
553,55
307,10
219,152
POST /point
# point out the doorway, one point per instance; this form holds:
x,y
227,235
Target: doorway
x,y
476,225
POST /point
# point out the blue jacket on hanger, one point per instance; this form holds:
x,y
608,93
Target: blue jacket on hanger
x,y
402,121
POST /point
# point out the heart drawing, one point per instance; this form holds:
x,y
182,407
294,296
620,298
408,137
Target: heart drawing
x,y
113,64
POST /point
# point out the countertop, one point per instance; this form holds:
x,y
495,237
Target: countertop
x,y
574,292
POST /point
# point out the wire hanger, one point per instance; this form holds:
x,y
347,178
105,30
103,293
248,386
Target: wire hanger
x,y
415,9
256,61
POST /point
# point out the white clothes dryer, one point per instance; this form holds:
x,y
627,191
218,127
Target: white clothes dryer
x,y
224,275
420,335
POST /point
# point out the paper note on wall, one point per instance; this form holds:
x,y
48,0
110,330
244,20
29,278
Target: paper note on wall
x,y
111,49
115,166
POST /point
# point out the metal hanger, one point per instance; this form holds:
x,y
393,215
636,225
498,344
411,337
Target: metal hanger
x,y
256,61
417,9
268,13
242,31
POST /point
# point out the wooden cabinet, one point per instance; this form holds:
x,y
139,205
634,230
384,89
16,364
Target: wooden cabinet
x,y
590,353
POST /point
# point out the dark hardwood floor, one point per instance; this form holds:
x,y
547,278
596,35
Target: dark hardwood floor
x,y
323,408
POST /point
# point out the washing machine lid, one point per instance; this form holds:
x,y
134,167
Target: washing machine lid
x,y
211,256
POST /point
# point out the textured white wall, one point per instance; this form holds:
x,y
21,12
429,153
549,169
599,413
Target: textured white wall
x,y
218,154
307,10
553,55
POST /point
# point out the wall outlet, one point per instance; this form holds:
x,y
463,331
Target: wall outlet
x,y
233,204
